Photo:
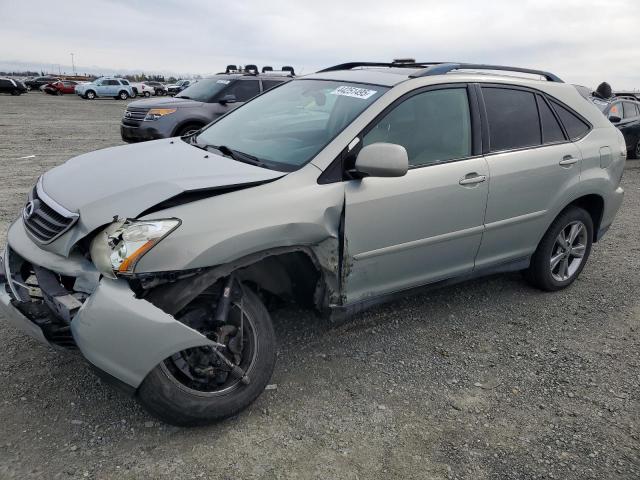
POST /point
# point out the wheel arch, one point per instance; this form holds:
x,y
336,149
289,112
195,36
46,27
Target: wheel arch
x,y
594,205
189,121
293,273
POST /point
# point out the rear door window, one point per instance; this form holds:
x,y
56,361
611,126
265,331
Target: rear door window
x,y
244,89
551,129
513,118
615,110
630,110
574,125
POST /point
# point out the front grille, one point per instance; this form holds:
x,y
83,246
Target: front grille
x,y
43,221
133,113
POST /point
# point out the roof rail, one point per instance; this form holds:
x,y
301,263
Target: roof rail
x,y
442,68
396,63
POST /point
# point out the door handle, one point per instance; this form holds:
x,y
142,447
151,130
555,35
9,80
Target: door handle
x,y
468,180
567,161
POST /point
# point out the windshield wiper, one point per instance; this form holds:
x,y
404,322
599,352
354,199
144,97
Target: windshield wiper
x,y
183,96
191,140
239,156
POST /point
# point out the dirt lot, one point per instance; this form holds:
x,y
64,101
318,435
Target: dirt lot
x,y
490,379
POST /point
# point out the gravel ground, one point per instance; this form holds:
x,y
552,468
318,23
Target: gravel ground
x,y
490,379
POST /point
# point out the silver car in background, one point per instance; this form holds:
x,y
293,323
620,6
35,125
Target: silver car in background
x,y
339,190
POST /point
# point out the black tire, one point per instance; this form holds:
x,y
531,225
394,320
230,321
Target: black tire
x,y
90,95
634,153
15,93
147,94
187,129
28,88
540,273
163,397
122,95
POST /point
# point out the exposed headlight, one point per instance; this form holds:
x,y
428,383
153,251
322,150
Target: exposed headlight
x,y
118,248
156,113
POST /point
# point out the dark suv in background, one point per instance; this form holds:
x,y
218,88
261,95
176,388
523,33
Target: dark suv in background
x,y
14,87
196,106
37,82
159,88
624,113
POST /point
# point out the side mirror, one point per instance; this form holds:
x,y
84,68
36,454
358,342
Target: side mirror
x,y
228,98
382,160
614,119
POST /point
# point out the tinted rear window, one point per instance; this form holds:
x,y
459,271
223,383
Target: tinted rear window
x,y
551,129
573,124
513,118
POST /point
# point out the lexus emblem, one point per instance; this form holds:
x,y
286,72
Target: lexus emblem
x,y
28,210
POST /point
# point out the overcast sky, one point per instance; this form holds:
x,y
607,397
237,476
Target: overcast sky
x,y
582,41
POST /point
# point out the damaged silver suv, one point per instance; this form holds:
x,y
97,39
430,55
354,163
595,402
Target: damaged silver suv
x,y
339,190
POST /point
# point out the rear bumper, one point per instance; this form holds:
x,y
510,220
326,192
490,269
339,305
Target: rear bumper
x,y
611,207
121,335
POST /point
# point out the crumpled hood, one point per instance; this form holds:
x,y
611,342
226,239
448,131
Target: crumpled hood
x,y
127,180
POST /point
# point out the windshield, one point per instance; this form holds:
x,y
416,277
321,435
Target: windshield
x,y
289,125
205,90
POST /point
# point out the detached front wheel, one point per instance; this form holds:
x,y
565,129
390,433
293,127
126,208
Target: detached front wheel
x,y
196,386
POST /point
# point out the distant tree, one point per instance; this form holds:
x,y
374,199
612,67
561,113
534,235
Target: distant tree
x,y
172,80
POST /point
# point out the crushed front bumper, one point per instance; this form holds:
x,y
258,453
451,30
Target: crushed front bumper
x,y
119,334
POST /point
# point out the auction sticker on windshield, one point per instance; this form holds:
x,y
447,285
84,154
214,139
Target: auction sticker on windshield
x,y
355,92
226,82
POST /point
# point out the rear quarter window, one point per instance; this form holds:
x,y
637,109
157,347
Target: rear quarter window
x,y
574,125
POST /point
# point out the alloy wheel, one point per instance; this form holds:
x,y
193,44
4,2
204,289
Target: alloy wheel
x,y
568,251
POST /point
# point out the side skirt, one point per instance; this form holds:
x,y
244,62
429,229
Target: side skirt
x,y
341,313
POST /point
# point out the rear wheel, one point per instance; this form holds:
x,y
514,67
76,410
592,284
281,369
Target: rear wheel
x,y
90,95
563,251
147,94
197,387
635,151
15,92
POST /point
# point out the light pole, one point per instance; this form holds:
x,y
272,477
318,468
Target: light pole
x,y
73,65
